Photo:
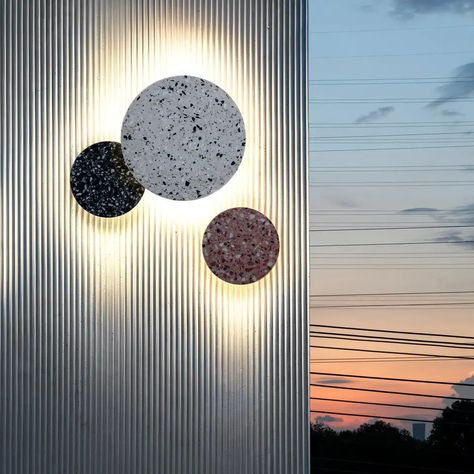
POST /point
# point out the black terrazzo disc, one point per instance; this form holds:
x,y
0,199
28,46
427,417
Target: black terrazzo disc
x,y
101,182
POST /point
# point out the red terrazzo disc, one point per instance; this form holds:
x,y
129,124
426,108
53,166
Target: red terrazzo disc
x,y
241,245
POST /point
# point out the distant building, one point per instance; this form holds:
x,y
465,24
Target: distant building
x,y
419,431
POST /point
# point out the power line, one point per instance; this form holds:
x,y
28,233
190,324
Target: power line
x,y
387,305
380,341
367,30
385,125
376,417
388,339
373,351
324,221
321,223
384,254
430,53
391,170
369,100
391,148
374,82
329,374
428,184
351,229
419,78
317,258
385,340
337,400
392,80
402,212
453,336
364,167
421,168
388,100
436,242
387,268
391,392
390,141
405,122
373,360
383,183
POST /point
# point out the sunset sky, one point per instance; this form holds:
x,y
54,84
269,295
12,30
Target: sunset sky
x,y
396,76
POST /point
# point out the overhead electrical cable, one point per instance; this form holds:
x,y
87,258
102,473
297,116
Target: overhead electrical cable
x,y
373,351
392,379
391,392
392,331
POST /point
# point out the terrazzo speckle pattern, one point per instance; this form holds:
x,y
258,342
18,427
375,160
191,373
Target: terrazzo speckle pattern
x,y
183,138
241,245
101,182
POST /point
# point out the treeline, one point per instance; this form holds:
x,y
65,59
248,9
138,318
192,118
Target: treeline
x,y
380,447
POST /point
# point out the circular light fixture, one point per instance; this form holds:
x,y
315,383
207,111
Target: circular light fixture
x,y
241,245
183,138
101,182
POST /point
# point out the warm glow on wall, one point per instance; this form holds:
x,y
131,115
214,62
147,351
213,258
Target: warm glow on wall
x,y
133,355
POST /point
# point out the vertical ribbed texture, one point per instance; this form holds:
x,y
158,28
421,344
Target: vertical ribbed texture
x,y
120,351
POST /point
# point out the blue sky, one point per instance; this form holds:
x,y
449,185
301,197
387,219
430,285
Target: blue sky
x,y
393,75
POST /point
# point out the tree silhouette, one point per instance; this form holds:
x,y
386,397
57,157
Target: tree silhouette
x,y
454,429
380,447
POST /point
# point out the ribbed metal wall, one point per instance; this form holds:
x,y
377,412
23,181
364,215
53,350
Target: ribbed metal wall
x,y
120,351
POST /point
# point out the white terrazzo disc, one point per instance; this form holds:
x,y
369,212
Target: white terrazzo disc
x,y
183,138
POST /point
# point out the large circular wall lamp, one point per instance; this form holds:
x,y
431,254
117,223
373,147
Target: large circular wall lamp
x,y
183,138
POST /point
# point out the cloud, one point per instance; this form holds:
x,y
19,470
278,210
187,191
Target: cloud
x,y
419,210
451,113
456,215
458,238
406,9
368,7
464,214
335,381
460,86
375,115
467,392
328,419
342,201
460,215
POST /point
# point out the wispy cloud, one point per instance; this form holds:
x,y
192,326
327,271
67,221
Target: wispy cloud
x,y
460,86
458,238
419,210
335,381
348,202
406,9
328,419
462,215
375,115
451,113
465,214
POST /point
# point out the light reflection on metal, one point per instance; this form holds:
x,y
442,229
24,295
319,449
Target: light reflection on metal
x,y
120,351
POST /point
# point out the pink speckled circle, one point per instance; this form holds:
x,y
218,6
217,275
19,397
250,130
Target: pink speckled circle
x,y
240,245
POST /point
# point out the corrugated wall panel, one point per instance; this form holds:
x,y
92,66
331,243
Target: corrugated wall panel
x,y
120,351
